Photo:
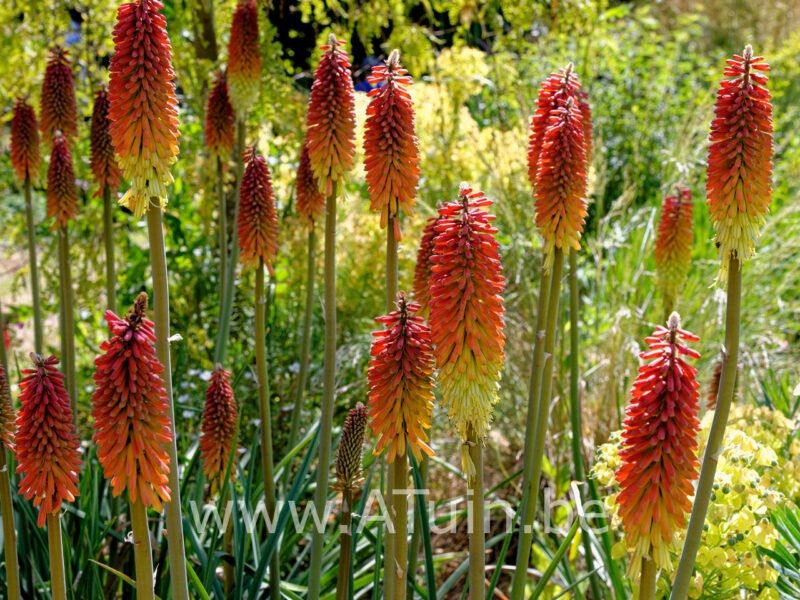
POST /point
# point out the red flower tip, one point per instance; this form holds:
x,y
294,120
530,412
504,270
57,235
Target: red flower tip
x,y
131,410
219,118
659,445
104,167
62,194
258,219
401,382
310,201
673,252
7,417
24,141
390,145
331,117
58,109
244,59
217,442
46,444
424,267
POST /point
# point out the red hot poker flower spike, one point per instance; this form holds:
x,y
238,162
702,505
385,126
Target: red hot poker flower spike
x,y
24,141
219,429
674,245
130,406
144,111
62,194
740,158
7,418
401,382
58,109
219,119
424,267
586,120
46,444
561,181
659,446
258,219
244,58
331,117
310,201
104,166
390,146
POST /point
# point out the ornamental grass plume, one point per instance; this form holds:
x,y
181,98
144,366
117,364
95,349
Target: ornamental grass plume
x,y
659,447
673,251
62,194
58,109
219,119
24,141
310,200
46,444
391,155
258,219
104,167
129,407
220,415
424,267
144,111
244,58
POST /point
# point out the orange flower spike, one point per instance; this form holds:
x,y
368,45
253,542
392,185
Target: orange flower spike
x,y
7,417
401,382
390,145
659,446
62,194
24,141
46,444
244,58
673,251
219,429
310,201
466,315
143,109
104,167
424,267
129,407
586,120
219,119
58,109
561,206
258,219
331,117
740,158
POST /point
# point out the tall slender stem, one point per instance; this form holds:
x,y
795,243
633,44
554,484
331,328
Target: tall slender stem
x,y
477,533
9,535
413,549
58,578
647,582
34,266
399,502
223,231
345,543
391,297
158,259
328,394
108,231
68,321
727,385
228,568
142,553
266,422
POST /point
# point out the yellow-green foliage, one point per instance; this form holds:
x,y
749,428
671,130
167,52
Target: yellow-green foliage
x,y
759,470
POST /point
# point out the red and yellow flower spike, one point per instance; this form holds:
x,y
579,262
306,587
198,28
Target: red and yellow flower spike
x,y
144,111
58,109
104,166
467,313
659,447
62,194
310,201
391,155
129,407
219,118
46,444
218,439
7,417
244,58
561,181
740,158
673,251
401,382
258,219
424,267
25,156
331,117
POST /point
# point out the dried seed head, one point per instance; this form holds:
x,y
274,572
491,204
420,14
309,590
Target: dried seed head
x,y
349,455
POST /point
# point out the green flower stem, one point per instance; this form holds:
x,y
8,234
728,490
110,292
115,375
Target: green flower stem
x,y
413,549
67,322
647,582
158,260
108,231
328,394
34,266
477,534
345,543
222,242
266,422
391,296
142,553
228,568
9,535
58,579
399,503
727,384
